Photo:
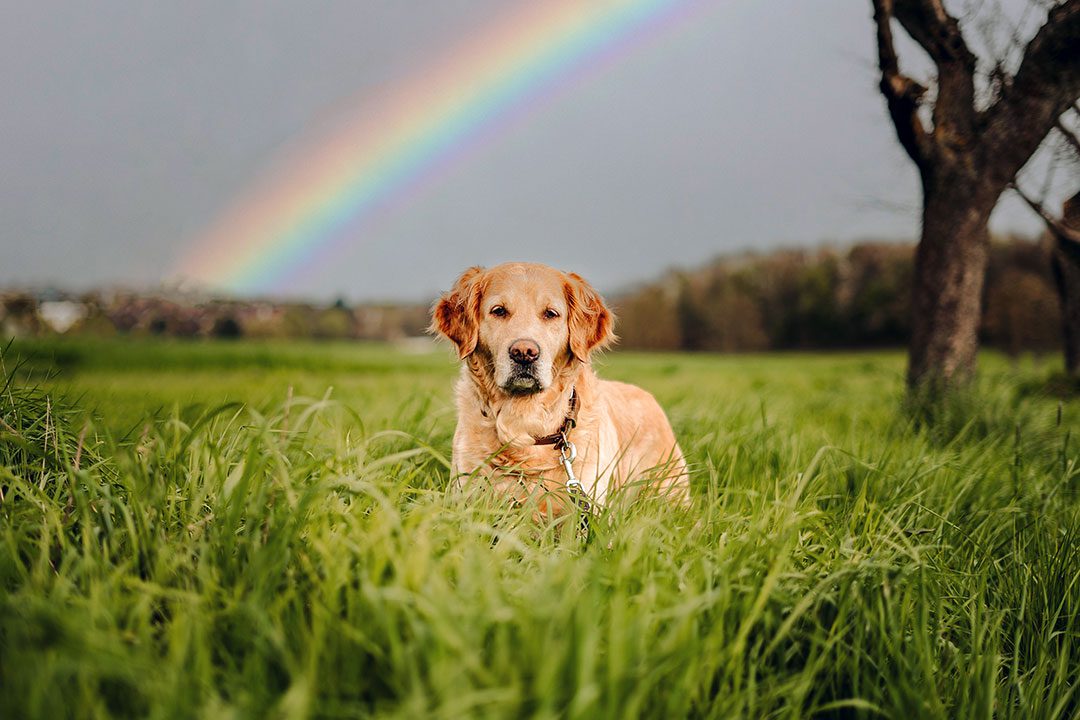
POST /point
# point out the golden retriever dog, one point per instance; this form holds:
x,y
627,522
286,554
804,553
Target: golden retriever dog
x,y
528,398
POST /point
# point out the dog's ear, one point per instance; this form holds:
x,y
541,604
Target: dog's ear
x,y
456,315
591,322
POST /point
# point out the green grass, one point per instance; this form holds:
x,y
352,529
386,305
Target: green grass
x,y
205,530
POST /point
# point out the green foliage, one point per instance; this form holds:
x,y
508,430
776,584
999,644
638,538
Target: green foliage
x,y
293,555
821,299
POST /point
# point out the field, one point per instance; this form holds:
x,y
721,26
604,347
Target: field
x,y
263,530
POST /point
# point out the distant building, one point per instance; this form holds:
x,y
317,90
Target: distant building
x,y
61,315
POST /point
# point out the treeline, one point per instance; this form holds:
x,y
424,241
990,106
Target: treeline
x,y
136,314
832,299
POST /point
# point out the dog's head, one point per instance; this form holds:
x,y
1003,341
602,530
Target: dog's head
x,y
528,321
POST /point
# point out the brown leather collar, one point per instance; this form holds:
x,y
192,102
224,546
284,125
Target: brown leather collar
x,y
568,424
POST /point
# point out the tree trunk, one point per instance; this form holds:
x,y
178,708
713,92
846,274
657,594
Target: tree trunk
x,y
950,269
1067,274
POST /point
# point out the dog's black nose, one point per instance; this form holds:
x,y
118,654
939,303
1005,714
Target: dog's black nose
x,y
524,351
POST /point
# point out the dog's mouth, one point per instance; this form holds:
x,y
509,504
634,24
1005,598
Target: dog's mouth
x,y
522,382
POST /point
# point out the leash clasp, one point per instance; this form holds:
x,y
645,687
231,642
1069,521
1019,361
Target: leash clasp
x,y
567,455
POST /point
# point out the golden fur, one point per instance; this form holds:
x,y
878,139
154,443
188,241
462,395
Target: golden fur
x,y
622,435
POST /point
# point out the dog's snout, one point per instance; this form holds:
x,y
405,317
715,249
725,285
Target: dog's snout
x,y
524,351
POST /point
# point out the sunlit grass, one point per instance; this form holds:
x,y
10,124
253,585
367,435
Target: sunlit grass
x,y
166,553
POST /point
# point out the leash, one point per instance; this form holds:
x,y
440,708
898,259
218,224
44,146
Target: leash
x,y
567,455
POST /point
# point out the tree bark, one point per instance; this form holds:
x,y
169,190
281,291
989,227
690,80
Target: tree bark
x,y
950,269
1066,264
1067,274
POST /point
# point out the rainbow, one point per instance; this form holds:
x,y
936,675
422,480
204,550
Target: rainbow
x,y
329,189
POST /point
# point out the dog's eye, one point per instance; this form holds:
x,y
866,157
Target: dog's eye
x,y
499,311
550,314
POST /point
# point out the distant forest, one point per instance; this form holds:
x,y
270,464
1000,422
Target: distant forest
x,y
858,297
818,299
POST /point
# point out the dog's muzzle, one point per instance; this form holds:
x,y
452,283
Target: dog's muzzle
x,y
522,382
523,379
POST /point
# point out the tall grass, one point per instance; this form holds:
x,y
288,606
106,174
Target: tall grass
x,y
302,558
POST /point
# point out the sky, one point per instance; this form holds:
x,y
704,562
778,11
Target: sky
x,y
131,129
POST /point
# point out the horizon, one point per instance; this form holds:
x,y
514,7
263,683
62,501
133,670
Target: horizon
x,y
630,287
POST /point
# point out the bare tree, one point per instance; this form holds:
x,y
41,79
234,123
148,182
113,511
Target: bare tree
x,y
1065,253
967,150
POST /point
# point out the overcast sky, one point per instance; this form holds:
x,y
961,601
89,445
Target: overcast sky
x,y
128,128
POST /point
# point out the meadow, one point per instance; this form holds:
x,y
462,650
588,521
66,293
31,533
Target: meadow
x,y
245,530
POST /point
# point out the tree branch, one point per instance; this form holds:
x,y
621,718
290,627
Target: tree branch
x,y
1045,86
1069,135
939,34
903,95
1057,227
